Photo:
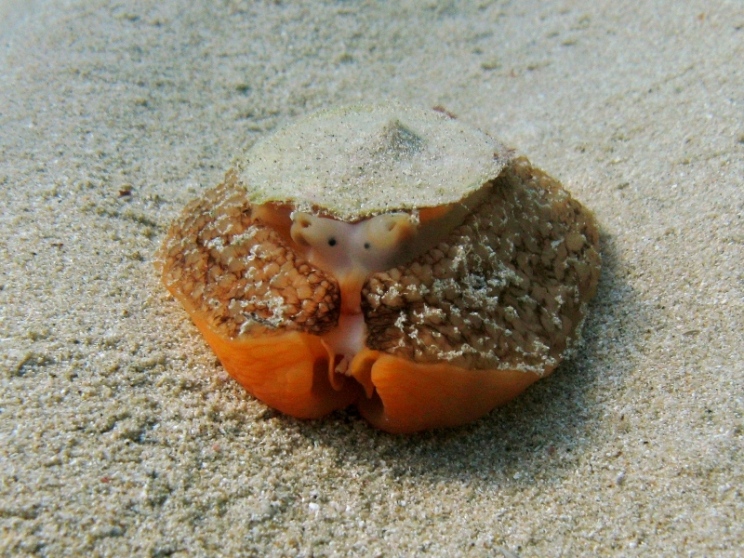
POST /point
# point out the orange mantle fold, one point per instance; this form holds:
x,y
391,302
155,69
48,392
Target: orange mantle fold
x,y
293,373
403,396
288,372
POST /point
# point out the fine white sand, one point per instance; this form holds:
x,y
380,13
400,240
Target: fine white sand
x,y
120,435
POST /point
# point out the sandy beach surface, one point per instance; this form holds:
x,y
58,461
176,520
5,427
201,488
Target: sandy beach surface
x,y
121,435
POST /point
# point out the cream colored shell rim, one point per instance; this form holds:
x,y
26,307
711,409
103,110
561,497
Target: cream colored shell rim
x,y
355,161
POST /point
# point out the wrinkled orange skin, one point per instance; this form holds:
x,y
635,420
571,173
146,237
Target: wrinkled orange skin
x,y
291,373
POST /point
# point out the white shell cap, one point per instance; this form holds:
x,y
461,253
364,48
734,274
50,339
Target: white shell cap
x,y
361,160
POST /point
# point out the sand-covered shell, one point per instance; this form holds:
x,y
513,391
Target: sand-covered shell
x,y
389,257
